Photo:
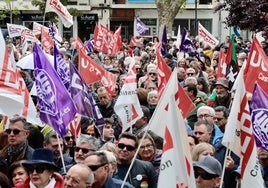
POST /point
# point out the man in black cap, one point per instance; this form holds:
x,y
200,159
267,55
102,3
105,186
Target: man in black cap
x,y
207,172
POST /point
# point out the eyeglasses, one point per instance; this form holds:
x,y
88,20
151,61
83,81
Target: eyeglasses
x,y
201,116
84,150
15,131
148,146
129,147
96,167
38,169
68,138
218,119
205,176
138,69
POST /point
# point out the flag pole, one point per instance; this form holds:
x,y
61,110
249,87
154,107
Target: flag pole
x,y
227,153
61,155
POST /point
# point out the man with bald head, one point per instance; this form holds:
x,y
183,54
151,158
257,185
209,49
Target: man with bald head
x,y
79,176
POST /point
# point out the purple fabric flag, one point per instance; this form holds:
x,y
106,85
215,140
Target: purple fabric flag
x,y
259,116
141,27
186,44
61,68
83,99
56,106
164,41
51,30
89,44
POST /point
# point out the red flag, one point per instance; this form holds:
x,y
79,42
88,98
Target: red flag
x,y
221,72
102,37
116,44
184,102
46,40
79,45
256,69
93,72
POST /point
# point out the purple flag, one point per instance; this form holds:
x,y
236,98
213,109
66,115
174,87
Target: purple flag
x,y
259,116
89,44
186,44
56,106
164,41
83,99
61,68
141,27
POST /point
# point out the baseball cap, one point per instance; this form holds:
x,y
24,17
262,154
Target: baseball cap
x,y
209,164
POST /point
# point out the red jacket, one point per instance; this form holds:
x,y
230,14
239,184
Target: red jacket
x,y
59,182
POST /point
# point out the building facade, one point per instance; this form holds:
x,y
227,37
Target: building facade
x,y
113,13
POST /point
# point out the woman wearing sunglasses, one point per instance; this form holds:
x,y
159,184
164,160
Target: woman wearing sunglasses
x,y
42,171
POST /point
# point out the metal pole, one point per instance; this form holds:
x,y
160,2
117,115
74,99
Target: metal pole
x,y
195,14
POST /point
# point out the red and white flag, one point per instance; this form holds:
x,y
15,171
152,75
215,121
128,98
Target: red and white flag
x,y
75,126
207,36
102,38
176,159
13,91
47,41
239,137
256,69
92,72
14,30
184,102
116,43
79,45
127,106
57,7
222,65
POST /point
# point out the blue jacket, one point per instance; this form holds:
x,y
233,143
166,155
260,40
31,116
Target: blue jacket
x,y
115,183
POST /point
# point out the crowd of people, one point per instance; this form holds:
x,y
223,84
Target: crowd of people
x,y
31,156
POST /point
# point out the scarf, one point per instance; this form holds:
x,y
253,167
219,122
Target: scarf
x,y
51,184
13,153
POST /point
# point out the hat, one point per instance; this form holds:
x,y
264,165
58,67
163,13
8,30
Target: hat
x,y
41,156
114,70
168,56
209,164
223,81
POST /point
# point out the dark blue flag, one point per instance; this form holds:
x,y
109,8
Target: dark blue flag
x,y
56,106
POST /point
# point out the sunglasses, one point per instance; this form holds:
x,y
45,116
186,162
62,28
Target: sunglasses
x,y
190,74
15,131
38,169
96,167
152,73
218,119
84,150
129,147
68,138
205,176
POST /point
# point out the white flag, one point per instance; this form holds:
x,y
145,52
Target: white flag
x,y
14,96
207,36
176,163
239,136
127,106
14,30
57,7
